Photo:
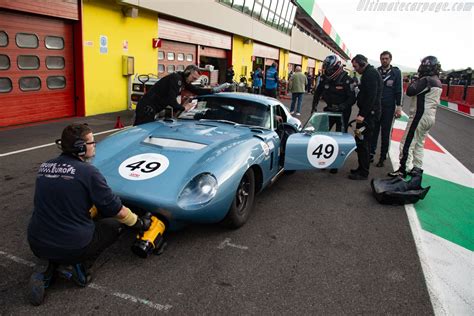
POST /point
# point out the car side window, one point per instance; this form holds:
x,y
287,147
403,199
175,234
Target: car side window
x,y
279,115
319,122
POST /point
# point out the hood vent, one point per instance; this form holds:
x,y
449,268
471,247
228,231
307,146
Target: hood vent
x,y
173,143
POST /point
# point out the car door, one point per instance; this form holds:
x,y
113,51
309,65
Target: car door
x,y
315,147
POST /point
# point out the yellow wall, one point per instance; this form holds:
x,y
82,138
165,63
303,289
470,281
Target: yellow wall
x,y
241,56
319,65
105,86
283,64
304,64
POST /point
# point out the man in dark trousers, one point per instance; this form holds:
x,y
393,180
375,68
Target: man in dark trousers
x,y
165,91
391,99
61,229
336,88
368,101
271,81
229,74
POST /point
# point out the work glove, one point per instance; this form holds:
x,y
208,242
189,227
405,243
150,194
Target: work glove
x,y
143,223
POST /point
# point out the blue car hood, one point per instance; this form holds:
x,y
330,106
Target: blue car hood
x,y
190,147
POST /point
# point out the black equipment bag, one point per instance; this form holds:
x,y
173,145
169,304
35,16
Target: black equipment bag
x,y
398,191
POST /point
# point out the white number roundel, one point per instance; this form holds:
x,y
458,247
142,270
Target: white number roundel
x,y
322,151
143,166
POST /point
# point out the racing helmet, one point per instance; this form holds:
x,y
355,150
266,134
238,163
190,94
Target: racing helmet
x,y
429,66
332,66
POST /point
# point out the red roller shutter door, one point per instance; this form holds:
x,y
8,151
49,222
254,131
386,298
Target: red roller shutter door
x,y
42,77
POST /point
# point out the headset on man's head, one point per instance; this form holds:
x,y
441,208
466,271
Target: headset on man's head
x,y
79,146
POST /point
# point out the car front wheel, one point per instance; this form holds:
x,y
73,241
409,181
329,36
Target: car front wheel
x,y
242,204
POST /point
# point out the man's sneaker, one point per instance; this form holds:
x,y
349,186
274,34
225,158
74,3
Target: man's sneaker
x,y
415,172
292,112
354,171
298,114
80,275
76,273
380,164
36,288
371,158
357,176
397,173
333,170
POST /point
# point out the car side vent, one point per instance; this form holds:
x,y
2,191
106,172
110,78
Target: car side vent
x,y
256,130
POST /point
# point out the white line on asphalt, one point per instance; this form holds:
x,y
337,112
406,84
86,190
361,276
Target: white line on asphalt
x,y
227,242
433,287
95,286
17,259
47,145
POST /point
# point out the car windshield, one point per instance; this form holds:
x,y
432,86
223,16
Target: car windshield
x,y
229,110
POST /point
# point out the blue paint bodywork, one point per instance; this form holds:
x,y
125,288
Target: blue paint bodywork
x,y
193,147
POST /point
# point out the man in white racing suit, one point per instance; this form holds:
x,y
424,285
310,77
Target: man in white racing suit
x,y
425,92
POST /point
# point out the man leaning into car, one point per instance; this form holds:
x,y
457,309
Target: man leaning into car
x,y
165,91
61,229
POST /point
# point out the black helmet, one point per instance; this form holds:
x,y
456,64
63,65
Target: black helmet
x,y
332,66
429,66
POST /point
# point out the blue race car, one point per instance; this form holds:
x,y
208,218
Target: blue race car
x,y
207,165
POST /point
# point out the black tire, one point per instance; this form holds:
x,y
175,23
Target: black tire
x,y
242,204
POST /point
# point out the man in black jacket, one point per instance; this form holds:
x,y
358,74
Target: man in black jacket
x,y
165,91
368,101
391,97
336,88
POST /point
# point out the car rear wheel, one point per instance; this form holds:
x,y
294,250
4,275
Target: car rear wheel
x,y
242,204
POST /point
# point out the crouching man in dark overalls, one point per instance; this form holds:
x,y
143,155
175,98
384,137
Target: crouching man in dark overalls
x,y
62,230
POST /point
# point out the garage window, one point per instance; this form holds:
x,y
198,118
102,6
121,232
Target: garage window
x,y
4,62
180,57
56,82
189,57
55,62
54,42
5,85
3,39
28,62
170,56
170,68
161,55
26,40
30,83
161,68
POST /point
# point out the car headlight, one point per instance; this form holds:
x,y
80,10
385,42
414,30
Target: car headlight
x,y
198,192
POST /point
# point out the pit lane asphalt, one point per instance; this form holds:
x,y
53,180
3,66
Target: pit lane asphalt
x,y
316,243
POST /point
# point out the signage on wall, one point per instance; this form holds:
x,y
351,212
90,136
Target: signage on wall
x,y
125,46
103,44
156,42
